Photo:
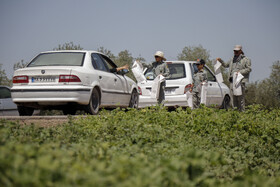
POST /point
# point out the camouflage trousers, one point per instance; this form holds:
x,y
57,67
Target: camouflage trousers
x,y
238,101
196,99
161,97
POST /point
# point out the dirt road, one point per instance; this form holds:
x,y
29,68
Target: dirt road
x,y
38,120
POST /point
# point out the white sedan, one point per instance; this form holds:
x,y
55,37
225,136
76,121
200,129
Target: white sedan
x,y
179,83
72,80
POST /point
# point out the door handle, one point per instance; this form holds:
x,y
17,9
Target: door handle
x,y
210,84
100,77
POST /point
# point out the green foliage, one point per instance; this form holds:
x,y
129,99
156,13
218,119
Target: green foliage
x,y
123,58
20,64
267,91
107,53
68,46
147,147
4,80
192,53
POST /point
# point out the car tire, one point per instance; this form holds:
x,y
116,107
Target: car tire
x,y
25,111
94,103
69,110
133,103
226,103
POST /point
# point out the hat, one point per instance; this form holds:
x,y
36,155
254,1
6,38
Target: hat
x,y
160,54
237,47
200,61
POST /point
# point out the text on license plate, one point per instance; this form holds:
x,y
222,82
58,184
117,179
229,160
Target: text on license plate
x,y
43,79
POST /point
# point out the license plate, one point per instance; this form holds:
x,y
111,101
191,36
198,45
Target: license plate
x,y
43,79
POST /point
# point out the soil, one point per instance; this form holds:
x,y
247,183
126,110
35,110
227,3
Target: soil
x,y
44,121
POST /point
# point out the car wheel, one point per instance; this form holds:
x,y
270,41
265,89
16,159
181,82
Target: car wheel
x,y
69,110
25,111
133,103
226,103
94,103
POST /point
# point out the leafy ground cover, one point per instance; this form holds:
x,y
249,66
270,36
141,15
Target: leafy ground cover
x,y
147,147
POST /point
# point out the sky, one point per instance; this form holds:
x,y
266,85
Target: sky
x,y
28,27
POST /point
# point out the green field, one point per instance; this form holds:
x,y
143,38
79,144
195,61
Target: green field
x,y
147,147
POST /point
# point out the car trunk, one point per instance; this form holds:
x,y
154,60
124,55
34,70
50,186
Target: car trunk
x,y
44,75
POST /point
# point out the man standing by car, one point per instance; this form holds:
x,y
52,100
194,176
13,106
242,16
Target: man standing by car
x,y
199,77
160,68
238,64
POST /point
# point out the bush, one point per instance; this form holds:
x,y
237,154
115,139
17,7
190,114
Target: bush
x,y
147,147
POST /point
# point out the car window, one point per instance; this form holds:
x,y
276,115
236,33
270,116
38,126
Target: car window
x,y
106,61
98,63
177,71
149,74
58,59
210,76
5,93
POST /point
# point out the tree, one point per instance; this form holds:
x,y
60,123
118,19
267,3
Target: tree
x,y
272,86
107,53
123,58
267,91
140,59
4,80
68,46
20,64
192,53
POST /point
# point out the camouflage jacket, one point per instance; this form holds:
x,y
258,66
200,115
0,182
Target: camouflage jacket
x,y
243,66
160,68
198,78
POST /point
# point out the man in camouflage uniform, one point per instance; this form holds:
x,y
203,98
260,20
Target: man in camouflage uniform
x,y
160,68
242,64
198,78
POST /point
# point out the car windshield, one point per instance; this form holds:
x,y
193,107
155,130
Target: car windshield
x,y
177,71
58,59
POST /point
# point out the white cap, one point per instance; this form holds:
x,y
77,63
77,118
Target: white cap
x,y
160,54
237,47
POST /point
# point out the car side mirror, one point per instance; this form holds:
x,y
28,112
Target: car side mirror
x,y
151,77
123,71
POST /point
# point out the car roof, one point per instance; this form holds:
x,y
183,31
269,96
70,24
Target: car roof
x,y
72,51
180,61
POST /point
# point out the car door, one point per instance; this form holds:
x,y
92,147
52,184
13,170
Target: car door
x,y
214,91
105,78
122,95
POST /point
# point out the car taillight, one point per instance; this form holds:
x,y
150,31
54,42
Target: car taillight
x,y
139,90
187,88
69,78
20,79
